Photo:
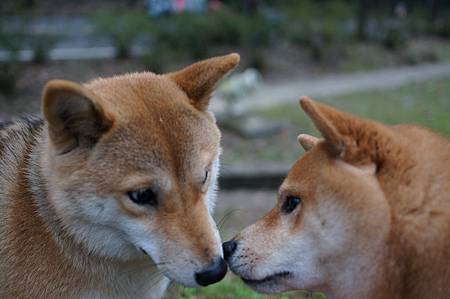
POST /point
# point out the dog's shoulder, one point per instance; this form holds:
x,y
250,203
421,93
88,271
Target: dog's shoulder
x,y
430,147
22,125
16,138
22,129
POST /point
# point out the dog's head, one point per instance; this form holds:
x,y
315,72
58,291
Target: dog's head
x,y
132,162
331,216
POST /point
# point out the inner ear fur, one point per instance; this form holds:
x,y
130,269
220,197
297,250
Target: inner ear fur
x,y
199,79
74,115
307,141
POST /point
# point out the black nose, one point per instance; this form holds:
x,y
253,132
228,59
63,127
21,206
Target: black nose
x,y
213,273
228,249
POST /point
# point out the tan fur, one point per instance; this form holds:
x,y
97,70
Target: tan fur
x,y
307,141
67,227
374,217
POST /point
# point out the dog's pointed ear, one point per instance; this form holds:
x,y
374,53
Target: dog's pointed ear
x,y
199,79
307,141
355,140
324,119
74,115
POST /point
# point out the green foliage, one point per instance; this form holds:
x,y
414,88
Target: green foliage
x,y
193,34
442,28
394,38
9,74
10,70
185,33
225,290
41,46
122,27
310,11
325,28
188,35
154,61
391,34
257,61
257,32
320,38
414,55
12,40
321,28
372,55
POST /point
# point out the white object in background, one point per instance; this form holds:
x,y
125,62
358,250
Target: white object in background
x,y
240,85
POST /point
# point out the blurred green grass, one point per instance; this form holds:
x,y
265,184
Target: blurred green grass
x,y
233,288
426,104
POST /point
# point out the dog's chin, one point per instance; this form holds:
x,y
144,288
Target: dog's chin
x,y
189,283
176,278
275,283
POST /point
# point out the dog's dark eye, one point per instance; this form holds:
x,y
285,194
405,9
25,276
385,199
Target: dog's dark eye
x,y
205,178
290,203
143,197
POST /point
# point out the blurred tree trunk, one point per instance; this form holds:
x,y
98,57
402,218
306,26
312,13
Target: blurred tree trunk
x,y
362,11
433,10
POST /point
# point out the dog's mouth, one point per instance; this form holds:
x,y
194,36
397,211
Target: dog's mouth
x,y
268,279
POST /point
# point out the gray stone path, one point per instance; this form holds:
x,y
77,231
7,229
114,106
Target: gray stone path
x,y
289,91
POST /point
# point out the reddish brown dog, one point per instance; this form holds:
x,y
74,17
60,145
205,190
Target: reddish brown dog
x,y
111,194
365,213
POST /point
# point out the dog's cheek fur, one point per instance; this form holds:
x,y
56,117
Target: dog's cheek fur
x,y
211,193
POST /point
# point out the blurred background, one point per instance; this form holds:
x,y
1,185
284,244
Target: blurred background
x,y
388,60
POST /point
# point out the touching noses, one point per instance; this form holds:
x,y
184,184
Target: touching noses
x,y
229,248
213,273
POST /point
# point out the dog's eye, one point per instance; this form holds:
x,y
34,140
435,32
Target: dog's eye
x,y
290,203
205,178
143,197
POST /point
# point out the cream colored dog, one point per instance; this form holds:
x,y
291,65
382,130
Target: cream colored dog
x,y
365,213
111,194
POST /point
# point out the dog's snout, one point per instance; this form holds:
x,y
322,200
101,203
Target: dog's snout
x,y
229,248
213,273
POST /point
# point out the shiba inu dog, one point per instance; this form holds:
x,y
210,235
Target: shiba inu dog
x,y
364,213
111,194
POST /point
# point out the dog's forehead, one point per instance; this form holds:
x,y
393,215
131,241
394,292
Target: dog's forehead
x,y
175,130
303,175
129,93
155,125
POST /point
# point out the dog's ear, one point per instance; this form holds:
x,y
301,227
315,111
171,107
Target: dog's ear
x,y
199,79
325,119
307,141
355,140
74,115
